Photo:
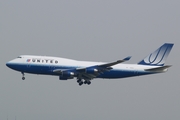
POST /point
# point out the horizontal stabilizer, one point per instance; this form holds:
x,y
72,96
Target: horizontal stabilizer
x,y
159,69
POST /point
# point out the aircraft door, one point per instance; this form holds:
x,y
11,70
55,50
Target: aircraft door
x,y
28,63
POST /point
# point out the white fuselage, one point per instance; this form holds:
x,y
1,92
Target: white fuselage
x,y
46,65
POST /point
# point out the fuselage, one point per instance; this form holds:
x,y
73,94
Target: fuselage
x,y
45,65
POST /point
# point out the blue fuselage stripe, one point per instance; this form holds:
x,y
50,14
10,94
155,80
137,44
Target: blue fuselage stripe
x,y
48,70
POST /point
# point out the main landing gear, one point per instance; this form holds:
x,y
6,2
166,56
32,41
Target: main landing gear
x,y
80,81
23,78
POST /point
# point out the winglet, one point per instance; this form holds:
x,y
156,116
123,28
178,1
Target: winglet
x,y
127,58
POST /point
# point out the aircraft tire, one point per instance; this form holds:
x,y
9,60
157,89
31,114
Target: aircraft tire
x,y
85,82
89,83
80,83
79,80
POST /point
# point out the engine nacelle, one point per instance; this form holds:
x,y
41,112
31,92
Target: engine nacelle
x,y
66,75
91,70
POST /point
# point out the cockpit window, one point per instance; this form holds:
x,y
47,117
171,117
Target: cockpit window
x,y
19,57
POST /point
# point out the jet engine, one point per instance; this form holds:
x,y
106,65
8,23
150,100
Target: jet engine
x,y
91,70
66,75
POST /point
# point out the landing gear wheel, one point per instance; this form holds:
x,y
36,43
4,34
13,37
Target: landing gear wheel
x,y
85,82
79,80
23,78
89,82
80,83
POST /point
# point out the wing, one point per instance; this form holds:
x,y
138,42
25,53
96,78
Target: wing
x,y
87,73
91,72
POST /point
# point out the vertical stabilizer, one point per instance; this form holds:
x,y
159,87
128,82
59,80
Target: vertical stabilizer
x,y
158,57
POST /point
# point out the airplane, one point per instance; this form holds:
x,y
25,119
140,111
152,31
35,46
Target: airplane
x,y
85,71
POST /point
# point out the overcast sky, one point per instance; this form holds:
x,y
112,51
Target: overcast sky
x,y
94,30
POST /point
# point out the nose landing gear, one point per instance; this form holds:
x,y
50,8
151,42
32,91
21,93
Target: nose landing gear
x,y
23,78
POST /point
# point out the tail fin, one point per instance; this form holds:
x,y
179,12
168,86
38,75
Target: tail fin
x,y
158,57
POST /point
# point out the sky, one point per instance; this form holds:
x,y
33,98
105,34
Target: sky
x,y
89,30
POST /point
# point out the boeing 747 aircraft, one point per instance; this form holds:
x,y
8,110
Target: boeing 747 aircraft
x,y
85,71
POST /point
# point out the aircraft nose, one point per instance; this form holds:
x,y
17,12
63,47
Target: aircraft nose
x,y
13,64
8,64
